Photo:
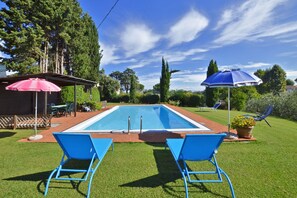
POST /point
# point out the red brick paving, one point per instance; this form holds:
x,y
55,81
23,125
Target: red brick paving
x,y
63,123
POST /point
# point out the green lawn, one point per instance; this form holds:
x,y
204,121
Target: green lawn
x,y
265,168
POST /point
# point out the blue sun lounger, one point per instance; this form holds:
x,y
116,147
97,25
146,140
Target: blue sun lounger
x,y
198,147
79,147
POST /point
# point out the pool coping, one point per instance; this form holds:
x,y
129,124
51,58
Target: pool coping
x,y
63,123
80,128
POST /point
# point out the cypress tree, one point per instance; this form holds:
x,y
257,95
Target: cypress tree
x,y
211,94
163,81
133,89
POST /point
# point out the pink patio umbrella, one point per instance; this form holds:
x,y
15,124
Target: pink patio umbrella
x,y
36,85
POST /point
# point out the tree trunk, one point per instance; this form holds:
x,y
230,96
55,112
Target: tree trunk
x,y
43,64
62,61
57,58
45,57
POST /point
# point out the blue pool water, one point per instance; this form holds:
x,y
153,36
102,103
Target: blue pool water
x,y
154,118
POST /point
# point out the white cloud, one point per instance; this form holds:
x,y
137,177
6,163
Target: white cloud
x,y
249,65
226,18
109,56
291,74
280,29
176,56
188,81
253,19
137,38
187,28
289,54
1,43
150,79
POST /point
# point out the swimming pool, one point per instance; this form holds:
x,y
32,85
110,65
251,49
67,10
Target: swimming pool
x,y
148,118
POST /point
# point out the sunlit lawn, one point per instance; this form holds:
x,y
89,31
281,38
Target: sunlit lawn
x,y
265,168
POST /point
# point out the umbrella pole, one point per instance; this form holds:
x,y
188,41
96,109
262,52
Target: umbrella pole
x,y
228,109
35,125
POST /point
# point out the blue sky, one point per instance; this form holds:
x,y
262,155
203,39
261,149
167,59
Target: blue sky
x,y
249,35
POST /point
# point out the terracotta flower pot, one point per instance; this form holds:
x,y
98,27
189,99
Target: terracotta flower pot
x,y
245,132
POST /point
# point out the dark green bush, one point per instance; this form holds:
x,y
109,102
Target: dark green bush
x,y
150,99
121,98
186,98
195,100
124,98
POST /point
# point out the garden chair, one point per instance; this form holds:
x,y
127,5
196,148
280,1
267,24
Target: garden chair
x,y
215,106
263,115
69,109
79,147
198,147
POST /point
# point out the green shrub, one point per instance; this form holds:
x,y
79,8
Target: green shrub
x,y
150,99
186,98
83,97
284,105
94,105
95,94
194,100
67,94
175,103
124,98
120,98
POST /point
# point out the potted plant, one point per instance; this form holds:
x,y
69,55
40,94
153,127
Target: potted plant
x,y
243,125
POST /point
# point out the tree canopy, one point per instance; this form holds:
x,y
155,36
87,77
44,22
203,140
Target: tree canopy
x,y
290,82
124,79
49,36
274,80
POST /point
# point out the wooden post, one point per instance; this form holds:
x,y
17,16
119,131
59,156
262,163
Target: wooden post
x,y
15,121
75,102
45,103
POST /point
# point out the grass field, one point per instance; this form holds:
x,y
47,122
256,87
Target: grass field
x,y
265,168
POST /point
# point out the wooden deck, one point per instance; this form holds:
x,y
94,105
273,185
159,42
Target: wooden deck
x,y
62,123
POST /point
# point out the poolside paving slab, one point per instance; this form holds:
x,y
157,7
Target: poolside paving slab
x,y
63,123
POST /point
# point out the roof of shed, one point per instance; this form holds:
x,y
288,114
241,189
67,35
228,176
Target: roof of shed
x,y
58,79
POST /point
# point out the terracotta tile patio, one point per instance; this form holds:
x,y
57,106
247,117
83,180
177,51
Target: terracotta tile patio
x,y
62,123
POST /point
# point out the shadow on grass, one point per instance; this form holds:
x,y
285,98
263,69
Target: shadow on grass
x,y
6,134
43,176
167,173
157,136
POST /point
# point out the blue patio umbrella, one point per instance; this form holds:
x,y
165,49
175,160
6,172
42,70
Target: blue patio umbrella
x,y
231,78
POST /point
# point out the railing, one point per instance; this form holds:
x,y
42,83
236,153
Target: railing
x,y
24,121
129,124
140,128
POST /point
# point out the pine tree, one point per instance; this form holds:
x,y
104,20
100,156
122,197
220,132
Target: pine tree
x,y
21,37
94,50
48,36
